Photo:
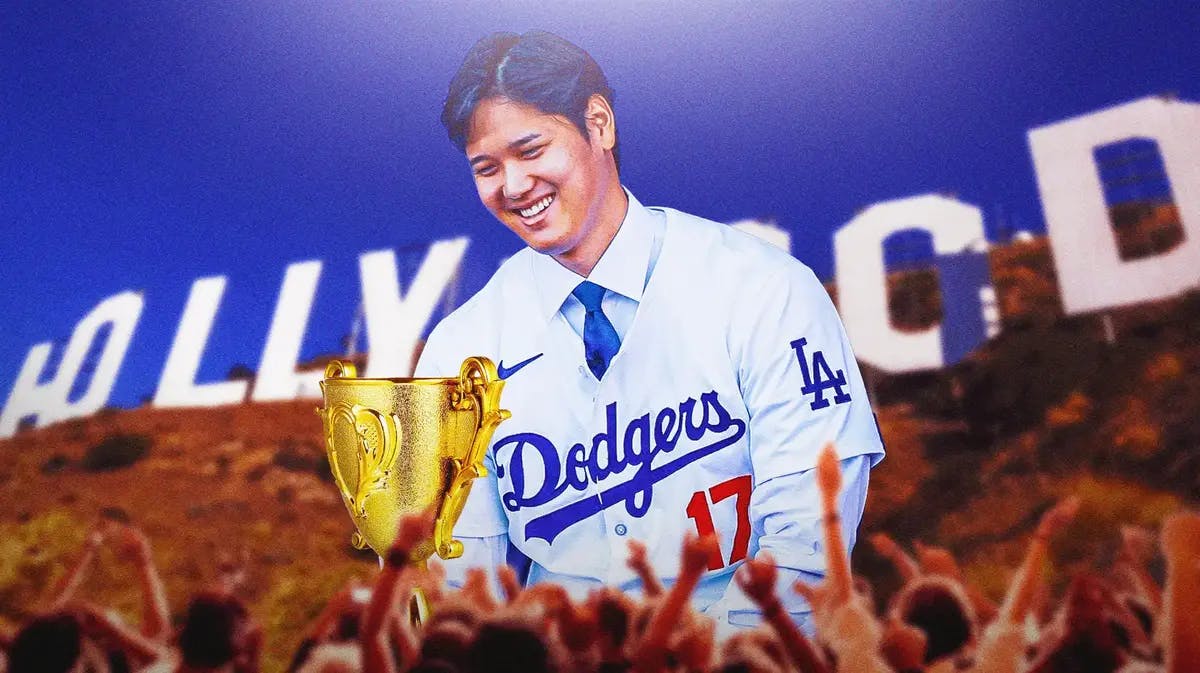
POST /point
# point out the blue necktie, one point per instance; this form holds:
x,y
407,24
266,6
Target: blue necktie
x,y
600,340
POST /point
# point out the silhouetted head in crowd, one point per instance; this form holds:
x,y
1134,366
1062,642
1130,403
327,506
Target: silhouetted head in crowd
x,y
749,660
47,644
614,611
742,643
455,610
448,641
510,645
347,626
333,658
1142,614
216,630
433,666
938,607
1095,631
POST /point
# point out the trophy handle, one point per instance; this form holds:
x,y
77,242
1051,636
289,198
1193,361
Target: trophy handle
x,y
479,389
340,369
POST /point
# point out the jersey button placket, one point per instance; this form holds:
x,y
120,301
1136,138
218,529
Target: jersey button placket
x,y
614,529
618,533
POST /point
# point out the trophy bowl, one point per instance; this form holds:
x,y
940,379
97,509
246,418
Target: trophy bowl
x,y
404,445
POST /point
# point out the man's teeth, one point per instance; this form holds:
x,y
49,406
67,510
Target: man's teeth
x,y
537,207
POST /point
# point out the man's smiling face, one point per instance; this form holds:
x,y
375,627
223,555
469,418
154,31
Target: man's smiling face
x,y
538,174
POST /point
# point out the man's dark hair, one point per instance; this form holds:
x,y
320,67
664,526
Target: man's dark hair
x,y
47,644
539,69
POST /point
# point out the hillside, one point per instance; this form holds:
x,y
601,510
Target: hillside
x,y
976,452
242,484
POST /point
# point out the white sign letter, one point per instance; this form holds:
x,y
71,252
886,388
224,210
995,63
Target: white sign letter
x,y
49,401
1091,274
277,375
177,387
395,321
862,276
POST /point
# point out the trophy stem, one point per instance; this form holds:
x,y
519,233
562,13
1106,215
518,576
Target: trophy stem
x,y
418,608
418,603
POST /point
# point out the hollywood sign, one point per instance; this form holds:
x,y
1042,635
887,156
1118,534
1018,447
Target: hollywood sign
x,y
1091,275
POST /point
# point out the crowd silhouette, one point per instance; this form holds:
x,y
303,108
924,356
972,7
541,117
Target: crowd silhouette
x,y
1120,619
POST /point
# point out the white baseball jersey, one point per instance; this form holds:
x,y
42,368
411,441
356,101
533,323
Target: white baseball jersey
x,y
733,373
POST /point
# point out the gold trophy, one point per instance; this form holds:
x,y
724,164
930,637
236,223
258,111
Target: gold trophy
x,y
400,446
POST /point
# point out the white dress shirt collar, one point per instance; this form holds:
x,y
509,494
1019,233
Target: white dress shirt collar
x,y
621,269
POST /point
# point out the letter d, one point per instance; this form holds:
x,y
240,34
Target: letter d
x,y
1091,274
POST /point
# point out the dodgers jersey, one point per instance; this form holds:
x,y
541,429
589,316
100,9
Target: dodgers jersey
x,y
733,373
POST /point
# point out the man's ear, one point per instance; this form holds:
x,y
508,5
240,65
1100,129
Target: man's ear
x,y
601,122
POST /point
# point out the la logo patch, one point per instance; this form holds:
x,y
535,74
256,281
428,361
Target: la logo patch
x,y
818,377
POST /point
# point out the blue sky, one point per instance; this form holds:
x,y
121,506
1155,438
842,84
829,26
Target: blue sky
x,y
148,145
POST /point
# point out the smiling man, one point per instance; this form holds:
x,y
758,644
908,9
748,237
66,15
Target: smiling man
x,y
666,374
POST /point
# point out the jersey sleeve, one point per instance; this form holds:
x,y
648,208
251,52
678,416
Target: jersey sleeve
x,y
787,516
802,389
798,377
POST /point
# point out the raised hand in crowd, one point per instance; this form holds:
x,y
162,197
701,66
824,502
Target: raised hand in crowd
x,y
578,629
1023,587
432,582
846,621
1138,547
394,585
614,614
752,651
546,602
903,646
906,566
1180,630
756,578
65,588
338,622
640,565
509,584
134,547
1002,647
113,636
653,646
478,590
105,628
838,583
693,643
936,561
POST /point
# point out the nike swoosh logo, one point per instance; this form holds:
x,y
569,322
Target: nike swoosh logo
x,y
505,372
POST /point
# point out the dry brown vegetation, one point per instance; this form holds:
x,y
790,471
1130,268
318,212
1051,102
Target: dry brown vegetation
x,y
976,454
